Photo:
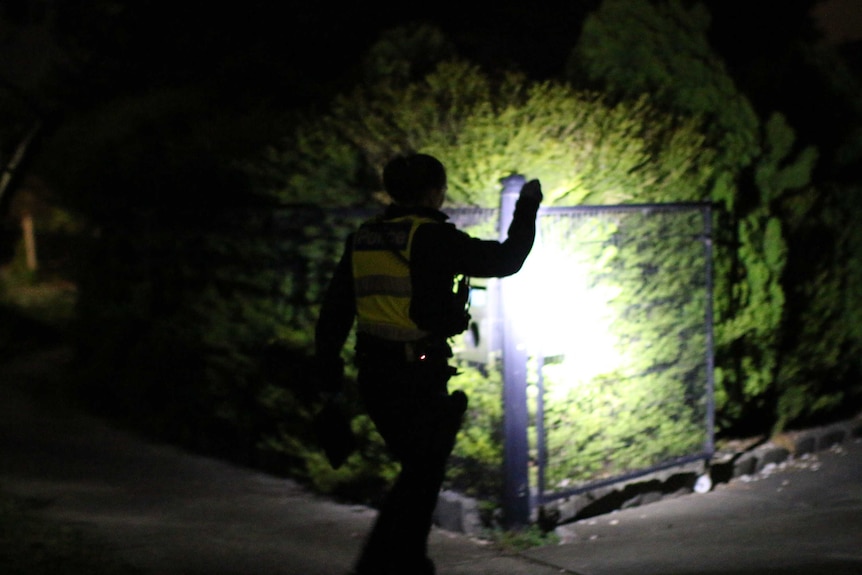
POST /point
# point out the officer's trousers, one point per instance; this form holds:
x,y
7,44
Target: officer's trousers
x,y
410,405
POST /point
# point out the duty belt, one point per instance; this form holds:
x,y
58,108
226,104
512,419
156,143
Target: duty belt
x,y
430,350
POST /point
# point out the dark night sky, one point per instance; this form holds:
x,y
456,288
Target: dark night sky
x,y
319,42
263,49
535,37
313,44
841,20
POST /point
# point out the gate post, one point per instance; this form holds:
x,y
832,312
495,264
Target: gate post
x,y
516,484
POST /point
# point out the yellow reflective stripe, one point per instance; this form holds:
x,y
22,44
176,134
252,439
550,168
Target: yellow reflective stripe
x,y
383,285
390,331
385,310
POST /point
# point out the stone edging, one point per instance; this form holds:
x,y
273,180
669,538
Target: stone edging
x,y
792,444
458,513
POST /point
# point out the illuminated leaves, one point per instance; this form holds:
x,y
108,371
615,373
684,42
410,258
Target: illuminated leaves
x,y
584,148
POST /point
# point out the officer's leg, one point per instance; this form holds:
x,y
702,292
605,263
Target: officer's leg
x,y
426,469
382,387
419,424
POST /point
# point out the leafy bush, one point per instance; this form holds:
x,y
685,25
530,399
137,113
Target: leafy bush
x,y
477,459
199,298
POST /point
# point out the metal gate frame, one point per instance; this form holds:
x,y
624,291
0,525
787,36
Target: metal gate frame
x,y
540,498
518,498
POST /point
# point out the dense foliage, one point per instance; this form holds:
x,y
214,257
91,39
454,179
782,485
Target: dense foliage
x,y
625,384
214,216
670,125
762,181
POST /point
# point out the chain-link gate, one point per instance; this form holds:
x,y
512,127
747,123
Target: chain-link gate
x,y
605,341
623,382
612,316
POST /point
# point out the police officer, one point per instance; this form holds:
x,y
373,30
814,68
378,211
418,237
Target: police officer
x,y
397,279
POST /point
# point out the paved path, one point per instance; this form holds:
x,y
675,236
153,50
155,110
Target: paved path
x,y
169,513
803,519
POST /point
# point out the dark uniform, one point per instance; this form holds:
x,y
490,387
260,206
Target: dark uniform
x,y
396,279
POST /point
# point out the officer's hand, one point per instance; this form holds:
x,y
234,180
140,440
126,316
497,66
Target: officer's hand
x,y
532,190
329,374
331,426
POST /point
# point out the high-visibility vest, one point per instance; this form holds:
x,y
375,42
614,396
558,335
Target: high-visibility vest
x,y
381,276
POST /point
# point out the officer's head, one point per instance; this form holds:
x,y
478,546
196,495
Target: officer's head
x,y
415,180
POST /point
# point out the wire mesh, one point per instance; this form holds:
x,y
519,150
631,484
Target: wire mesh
x,y
621,380
616,303
617,309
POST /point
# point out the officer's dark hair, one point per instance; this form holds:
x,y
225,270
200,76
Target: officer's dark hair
x,y
407,178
